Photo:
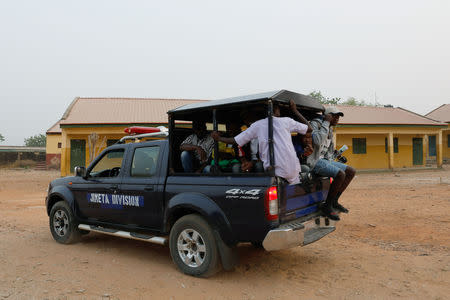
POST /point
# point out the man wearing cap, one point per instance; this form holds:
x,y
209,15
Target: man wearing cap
x,y
322,163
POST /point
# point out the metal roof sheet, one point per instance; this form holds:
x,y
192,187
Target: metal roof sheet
x,y
442,113
383,115
121,110
55,128
21,149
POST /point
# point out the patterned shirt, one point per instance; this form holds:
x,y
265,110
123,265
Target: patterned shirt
x,y
206,143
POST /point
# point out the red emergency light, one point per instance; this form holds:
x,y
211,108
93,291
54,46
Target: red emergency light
x,y
141,130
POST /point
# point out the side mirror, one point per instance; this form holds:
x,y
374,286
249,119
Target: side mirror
x,y
80,171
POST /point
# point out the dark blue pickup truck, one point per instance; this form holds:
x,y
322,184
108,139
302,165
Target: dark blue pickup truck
x,y
139,191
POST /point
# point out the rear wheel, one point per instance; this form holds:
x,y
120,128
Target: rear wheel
x,y
193,246
63,226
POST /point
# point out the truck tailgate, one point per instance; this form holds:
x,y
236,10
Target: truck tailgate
x,y
303,199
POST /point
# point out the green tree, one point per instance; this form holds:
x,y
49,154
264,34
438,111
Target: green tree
x,y
38,140
1,138
335,101
324,100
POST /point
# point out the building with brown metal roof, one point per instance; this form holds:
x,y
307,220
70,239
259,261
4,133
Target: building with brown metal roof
x,y
442,114
90,124
378,137
386,137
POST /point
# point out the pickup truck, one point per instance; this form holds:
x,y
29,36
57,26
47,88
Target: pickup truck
x,y
139,191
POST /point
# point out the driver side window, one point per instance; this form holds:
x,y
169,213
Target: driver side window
x,y
109,165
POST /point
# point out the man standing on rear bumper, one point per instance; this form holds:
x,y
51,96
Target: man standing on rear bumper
x,y
322,163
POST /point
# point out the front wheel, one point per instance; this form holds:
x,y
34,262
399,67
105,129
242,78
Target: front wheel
x,y
63,226
193,246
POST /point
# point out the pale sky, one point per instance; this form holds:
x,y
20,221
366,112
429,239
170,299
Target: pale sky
x,y
395,52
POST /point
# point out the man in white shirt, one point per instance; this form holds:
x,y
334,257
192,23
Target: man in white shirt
x,y
287,164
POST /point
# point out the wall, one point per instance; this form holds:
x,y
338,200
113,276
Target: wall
x,y
445,148
53,153
376,157
10,157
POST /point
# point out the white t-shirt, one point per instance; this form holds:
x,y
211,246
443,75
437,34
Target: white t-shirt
x,y
287,164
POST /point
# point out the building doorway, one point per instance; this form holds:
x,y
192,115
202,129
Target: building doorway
x,y
432,145
417,151
77,154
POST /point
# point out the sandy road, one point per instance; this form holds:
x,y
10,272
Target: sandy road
x,y
395,243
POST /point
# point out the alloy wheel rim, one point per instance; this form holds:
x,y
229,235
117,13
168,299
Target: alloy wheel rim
x,y
191,248
60,223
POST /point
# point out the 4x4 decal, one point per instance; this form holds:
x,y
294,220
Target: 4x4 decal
x,y
243,194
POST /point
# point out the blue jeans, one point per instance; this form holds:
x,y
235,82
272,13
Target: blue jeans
x,y
328,168
187,161
235,169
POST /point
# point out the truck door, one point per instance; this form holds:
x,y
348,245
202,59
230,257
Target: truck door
x,y
95,194
145,182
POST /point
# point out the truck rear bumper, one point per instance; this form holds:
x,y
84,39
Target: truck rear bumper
x,y
298,233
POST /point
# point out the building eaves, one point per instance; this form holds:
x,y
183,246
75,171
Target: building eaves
x,y
368,115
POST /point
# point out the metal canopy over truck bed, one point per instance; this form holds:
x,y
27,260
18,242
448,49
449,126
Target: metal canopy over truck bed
x,y
281,96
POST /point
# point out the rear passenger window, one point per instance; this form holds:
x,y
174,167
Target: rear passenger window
x,y
144,161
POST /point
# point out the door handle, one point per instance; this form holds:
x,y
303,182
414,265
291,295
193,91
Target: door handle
x,y
148,188
114,188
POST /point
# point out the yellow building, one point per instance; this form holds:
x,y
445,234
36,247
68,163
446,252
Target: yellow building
x,y
386,137
91,124
377,137
442,114
53,147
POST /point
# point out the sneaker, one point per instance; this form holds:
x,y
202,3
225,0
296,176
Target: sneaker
x,y
330,213
340,208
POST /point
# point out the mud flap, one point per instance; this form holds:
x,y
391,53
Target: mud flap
x,y
228,255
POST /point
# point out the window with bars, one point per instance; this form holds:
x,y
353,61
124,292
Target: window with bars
x,y
386,149
359,145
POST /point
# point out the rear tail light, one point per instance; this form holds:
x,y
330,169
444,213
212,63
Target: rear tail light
x,y
272,203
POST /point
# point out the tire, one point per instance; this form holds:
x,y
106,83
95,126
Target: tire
x,y
193,246
63,226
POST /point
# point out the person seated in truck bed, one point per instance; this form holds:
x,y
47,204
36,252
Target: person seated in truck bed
x,y
229,155
196,148
251,161
287,165
303,148
234,158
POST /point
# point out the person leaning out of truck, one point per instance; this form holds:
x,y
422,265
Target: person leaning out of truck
x,y
287,165
196,148
322,161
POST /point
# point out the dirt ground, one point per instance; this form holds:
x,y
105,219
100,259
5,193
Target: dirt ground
x,y
395,243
